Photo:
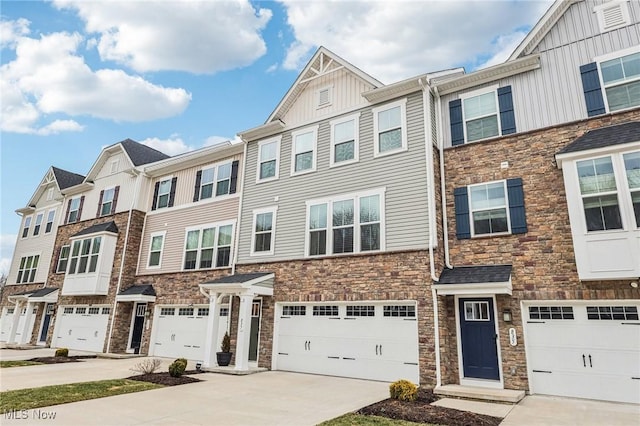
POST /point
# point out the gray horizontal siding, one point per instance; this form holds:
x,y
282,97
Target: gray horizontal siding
x,y
553,94
403,175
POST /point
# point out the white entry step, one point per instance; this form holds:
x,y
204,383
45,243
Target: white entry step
x,y
485,394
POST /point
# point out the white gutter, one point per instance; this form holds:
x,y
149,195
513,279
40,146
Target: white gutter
x,y
124,251
237,238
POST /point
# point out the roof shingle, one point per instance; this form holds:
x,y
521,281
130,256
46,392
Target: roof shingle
x,y
66,179
141,154
605,136
476,274
100,227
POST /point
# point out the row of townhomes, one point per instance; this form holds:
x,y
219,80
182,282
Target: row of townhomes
x,y
478,229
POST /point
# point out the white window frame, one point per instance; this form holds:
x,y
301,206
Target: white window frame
x,y
37,224
329,102
31,272
63,258
274,211
151,237
356,140
216,246
103,203
216,180
314,131
357,225
277,141
402,103
608,57
168,194
616,171
47,228
472,210
26,226
476,93
91,254
77,210
629,190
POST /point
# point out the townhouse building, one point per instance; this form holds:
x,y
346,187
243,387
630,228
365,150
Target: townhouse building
x,y
452,229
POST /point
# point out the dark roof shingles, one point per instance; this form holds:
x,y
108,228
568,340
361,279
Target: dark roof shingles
x,y
142,289
239,278
141,154
43,292
476,274
605,136
100,227
66,179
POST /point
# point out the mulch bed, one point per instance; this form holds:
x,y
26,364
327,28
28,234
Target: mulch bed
x,y
420,411
166,379
61,359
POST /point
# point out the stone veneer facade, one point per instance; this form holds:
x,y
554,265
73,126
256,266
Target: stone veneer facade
x,y
543,259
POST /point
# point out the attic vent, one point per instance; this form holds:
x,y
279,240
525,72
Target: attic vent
x,y
612,15
324,97
114,166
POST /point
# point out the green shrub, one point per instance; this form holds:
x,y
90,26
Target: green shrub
x,y
64,352
177,367
403,390
226,343
183,360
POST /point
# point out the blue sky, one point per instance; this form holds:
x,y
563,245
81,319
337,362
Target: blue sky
x,y
76,76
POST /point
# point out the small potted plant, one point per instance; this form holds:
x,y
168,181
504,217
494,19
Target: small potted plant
x,y
224,356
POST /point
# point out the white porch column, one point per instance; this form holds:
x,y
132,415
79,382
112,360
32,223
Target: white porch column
x,y
25,337
244,332
212,332
14,325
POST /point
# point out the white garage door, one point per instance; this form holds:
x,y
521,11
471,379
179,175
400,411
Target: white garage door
x,y
584,350
83,328
374,341
7,320
23,316
181,331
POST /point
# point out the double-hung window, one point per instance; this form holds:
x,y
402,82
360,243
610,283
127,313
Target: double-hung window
x,y
481,118
268,159
49,225
264,229
223,179
346,224
74,210
390,128
303,150
632,169
84,255
208,247
621,81
38,224
155,249
63,258
215,181
489,208
107,201
344,140
206,183
599,193
26,226
27,269
164,191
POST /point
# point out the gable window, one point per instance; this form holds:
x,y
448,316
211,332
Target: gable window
x,y
621,80
491,208
208,247
632,168
344,140
155,249
26,226
84,255
268,157
38,224
50,217
303,150
108,198
390,130
345,225
27,269
263,231
599,194
63,258
75,209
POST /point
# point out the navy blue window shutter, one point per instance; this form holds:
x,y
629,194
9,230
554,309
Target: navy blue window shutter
x,y
196,189
172,193
592,91
463,226
234,177
156,189
516,206
457,126
507,116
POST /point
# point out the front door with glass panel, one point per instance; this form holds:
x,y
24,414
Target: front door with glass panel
x,y
478,339
138,326
256,307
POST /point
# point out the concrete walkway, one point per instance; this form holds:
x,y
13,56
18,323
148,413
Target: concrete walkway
x,y
270,398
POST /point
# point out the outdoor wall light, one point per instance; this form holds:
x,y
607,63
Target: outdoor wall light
x,y
506,315
198,366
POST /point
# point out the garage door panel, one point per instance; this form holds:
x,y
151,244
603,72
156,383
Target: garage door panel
x,y
81,331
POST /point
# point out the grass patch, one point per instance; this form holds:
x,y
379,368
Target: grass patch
x,y
26,399
352,419
7,364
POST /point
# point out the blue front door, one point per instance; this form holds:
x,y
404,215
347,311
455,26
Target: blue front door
x,y
48,313
479,339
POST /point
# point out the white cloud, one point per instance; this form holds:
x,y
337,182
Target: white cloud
x,y
11,31
395,40
48,76
504,47
198,37
7,243
215,140
174,145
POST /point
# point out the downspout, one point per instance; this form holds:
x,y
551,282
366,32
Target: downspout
x,y
443,192
236,249
124,251
430,201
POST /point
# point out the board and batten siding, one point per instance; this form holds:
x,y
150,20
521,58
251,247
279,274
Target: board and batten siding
x,y
127,185
174,222
553,94
123,164
402,174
